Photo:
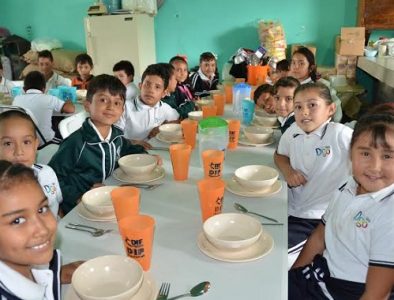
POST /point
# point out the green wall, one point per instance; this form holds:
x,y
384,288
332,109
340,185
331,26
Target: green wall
x,y
191,27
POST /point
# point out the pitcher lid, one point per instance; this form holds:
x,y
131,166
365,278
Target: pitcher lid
x,y
211,122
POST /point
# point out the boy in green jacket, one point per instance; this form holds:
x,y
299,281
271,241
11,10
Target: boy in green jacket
x,y
89,155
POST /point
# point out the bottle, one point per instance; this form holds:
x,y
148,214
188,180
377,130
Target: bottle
x,y
240,92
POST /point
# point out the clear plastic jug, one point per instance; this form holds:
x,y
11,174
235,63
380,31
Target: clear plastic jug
x,y
212,134
240,92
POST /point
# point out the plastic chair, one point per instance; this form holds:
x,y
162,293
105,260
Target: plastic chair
x,y
72,123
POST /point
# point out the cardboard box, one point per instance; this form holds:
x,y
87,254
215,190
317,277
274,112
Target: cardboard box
x,y
311,47
354,47
353,33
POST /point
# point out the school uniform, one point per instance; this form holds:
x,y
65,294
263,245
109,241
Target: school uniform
x,y
131,91
56,80
42,106
285,122
139,119
50,185
183,108
359,230
183,93
6,85
15,286
80,83
322,156
86,158
201,84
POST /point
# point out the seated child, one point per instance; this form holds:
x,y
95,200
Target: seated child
x,y
284,105
350,255
263,98
45,66
5,84
143,116
84,66
124,71
30,268
282,70
313,157
205,79
18,144
182,108
41,105
183,91
89,155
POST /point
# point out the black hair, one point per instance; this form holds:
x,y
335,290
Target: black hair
x,y
13,174
311,60
45,54
1,65
14,114
283,65
124,65
207,56
105,82
177,59
34,80
84,59
264,88
323,90
158,70
285,82
377,124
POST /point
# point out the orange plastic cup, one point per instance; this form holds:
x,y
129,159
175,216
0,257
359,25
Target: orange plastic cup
x,y
219,103
233,133
126,201
228,91
257,74
137,236
180,158
213,163
189,128
209,111
211,193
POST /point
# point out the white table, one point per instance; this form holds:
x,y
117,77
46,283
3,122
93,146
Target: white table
x,y
176,257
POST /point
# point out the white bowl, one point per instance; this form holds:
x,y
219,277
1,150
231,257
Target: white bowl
x,y
195,115
263,118
258,135
81,94
256,177
200,103
110,277
370,52
137,164
171,131
232,231
98,201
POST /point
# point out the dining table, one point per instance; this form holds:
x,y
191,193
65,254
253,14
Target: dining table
x,y
176,256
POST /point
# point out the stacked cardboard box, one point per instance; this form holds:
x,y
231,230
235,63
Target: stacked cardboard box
x,y
348,46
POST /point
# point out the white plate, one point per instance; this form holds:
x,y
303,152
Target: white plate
x,y
148,290
156,174
262,247
87,215
163,139
234,187
243,140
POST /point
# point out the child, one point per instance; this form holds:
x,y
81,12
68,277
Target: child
x,y
18,144
183,108
84,66
303,66
313,158
45,65
183,92
90,154
40,104
284,106
124,71
282,70
205,79
144,115
350,255
5,84
263,98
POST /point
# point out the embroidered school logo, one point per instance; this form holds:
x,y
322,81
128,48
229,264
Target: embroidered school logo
x,y
323,151
50,189
361,220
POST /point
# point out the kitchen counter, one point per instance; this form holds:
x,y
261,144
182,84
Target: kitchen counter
x,y
382,68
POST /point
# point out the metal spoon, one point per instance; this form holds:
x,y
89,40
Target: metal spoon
x,y
196,291
244,210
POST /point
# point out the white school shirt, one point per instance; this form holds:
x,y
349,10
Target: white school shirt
x,y
50,185
42,107
359,232
322,156
138,119
55,81
282,120
6,85
131,91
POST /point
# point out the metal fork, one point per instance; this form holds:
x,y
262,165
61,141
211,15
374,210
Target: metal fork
x,y
164,291
92,230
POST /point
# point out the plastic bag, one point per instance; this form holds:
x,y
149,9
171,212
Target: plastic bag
x,y
45,44
272,37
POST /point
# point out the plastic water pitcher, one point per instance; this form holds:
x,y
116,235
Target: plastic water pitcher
x,y
212,134
247,111
240,92
68,93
